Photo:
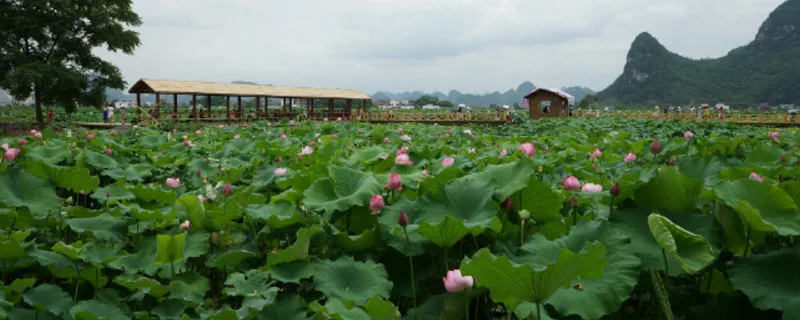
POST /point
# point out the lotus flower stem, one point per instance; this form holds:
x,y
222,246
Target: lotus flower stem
x,y
413,279
710,277
666,266
466,303
522,233
539,310
747,242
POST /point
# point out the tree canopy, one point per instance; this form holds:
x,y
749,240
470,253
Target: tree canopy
x,y
46,49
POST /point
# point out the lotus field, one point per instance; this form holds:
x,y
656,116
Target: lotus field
x,y
605,218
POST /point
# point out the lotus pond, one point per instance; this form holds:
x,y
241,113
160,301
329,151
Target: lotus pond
x,y
553,219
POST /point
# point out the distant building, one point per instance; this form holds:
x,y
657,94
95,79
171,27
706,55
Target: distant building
x,y
125,104
430,107
548,103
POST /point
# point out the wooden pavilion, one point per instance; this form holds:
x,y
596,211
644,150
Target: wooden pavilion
x,y
548,103
288,96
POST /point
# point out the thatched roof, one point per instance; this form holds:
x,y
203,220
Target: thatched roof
x,y
242,90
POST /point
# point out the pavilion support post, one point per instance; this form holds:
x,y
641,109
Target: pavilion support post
x,y
175,107
239,107
194,106
330,105
310,106
227,107
208,106
349,106
158,105
138,106
258,105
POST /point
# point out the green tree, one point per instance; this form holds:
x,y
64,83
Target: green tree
x,y
426,99
445,104
46,49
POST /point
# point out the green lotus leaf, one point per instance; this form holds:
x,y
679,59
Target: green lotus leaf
x,y
153,193
351,280
48,154
13,247
734,229
670,190
511,284
170,309
277,215
290,308
5,305
170,248
719,283
144,284
765,153
445,306
368,155
99,161
21,189
633,222
193,209
132,173
344,189
763,207
506,178
691,250
73,178
395,235
98,253
292,272
96,310
703,169
253,283
102,227
434,185
364,241
541,201
468,204
190,287
115,194
297,251
48,297
229,258
381,309
48,258
601,296
770,280
335,309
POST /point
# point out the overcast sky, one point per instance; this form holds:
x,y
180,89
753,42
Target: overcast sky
x,y
473,46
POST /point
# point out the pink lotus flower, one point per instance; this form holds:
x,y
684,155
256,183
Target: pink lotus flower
x,y
185,137
447,135
221,126
339,119
403,159
283,136
455,282
23,142
756,177
528,149
474,137
630,157
197,132
376,204
186,225
425,172
325,119
571,183
34,131
774,134
313,143
405,138
404,149
280,172
280,160
688,134
596,154
400,129
201,198
109,152
90,136
291,121
546,148
173,182
38,135
447,162
11,153
592,188
316,135
245,125
503,152
198,172
306,150
385,139
111,133
655,147
402,219
188,143
236,136
394,183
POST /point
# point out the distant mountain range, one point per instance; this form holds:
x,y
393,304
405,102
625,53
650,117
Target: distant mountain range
x,y
506,98
764,71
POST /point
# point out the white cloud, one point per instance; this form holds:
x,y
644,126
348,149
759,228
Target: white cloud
x,y
398,45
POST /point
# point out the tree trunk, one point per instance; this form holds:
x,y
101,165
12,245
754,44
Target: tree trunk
x,y
38,100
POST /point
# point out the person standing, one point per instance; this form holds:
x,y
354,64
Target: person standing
x,y
110,114
105,114
122,113
570,111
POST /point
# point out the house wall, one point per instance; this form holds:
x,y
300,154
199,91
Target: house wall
x,y
559,106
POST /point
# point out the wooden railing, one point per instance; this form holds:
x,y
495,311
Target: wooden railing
x,y
708,117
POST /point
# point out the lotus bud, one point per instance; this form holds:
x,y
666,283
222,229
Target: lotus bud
x,y
376,204
783,159
671,161
615,189
215,238
109,152
573,201
655,147
205,180
508,204
402,220
198,172
227,189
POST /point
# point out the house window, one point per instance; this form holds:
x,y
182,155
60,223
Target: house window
x,y
544,106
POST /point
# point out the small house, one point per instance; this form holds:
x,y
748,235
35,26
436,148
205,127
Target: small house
x,y
548,103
